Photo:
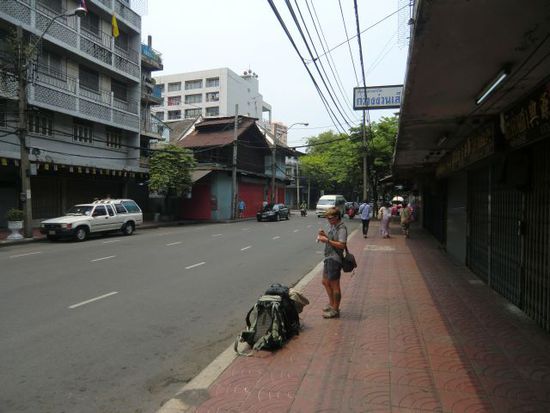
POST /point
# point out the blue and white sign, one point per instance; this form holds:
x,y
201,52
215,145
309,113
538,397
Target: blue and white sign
x,y
377,97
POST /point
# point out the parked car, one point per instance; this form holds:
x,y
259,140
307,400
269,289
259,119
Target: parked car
x,y
328,201
97,217
273,212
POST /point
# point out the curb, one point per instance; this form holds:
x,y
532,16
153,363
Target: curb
x,y
196,391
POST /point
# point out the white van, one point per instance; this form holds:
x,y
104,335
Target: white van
x,y
328,201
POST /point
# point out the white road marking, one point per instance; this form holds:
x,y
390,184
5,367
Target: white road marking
x,y
91,300
277,237
247,247
296,230
195,265
173,243
163,234
309,226
217,235
103,258
318,252
245,229
110,242
24,255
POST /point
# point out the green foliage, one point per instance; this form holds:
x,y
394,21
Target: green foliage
x,y
15,215
170,170
335,162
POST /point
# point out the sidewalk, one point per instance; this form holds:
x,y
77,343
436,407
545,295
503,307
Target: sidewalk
x,y
416,334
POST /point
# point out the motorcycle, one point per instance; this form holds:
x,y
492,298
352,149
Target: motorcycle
x,y
303,212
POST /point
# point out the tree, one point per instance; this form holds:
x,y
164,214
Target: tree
x,y
170,170
334,162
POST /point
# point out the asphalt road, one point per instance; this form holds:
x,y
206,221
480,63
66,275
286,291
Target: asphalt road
x,y
119,324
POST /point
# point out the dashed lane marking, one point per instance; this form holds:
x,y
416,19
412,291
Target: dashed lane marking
x,y
217,235
103,258
195,265
296,230
276,237
91,300
111,241
26,254
173,243
247,247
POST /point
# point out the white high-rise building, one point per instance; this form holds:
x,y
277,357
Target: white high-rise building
x,y
210,93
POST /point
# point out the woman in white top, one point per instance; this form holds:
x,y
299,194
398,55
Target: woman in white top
x,y
384,215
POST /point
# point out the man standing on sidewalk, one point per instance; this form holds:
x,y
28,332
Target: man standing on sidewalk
x,y
335,244
365,212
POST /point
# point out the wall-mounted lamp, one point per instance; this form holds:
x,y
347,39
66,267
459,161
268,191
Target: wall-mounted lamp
x,y
490,88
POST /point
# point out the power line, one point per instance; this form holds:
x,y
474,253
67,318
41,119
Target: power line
x,y
297,23
349,46
323,99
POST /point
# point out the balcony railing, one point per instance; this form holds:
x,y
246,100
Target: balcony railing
x,y
56,90
65,32
151,55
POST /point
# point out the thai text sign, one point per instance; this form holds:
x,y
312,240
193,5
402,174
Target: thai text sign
x,y
377,97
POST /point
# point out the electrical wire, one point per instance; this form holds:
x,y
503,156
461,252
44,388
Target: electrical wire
x,y
297,23
331,114
349,46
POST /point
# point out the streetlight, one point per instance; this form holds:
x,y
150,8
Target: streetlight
x,y
297,175
24,60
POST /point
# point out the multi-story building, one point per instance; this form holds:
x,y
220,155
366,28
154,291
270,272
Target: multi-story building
x,y
210,93
83,102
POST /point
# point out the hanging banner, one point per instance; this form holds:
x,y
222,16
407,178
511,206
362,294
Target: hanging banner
x,y
377,97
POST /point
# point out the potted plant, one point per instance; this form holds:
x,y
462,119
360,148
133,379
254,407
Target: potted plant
x,y
15,222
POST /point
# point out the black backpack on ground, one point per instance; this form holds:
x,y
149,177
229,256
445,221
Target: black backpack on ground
x,y
271,321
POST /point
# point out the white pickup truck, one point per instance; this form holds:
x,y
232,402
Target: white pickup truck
x,y
97,217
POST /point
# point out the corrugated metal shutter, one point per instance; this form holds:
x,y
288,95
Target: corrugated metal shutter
x,y
537,238
46,197
478,222
506,245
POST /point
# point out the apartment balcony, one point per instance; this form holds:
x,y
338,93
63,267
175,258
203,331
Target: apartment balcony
x,y
151,126
61,93
66,33
150,58
149,94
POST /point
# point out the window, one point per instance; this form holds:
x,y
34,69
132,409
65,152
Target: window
x,y
83,132
193,84
51,64
110,210
114,138
54,5
174,114
131,206
119,89
40,123
99,211
122,41
193,98
160,115
120,209
90,23
213,96
213,111
193,113
212,82
89,79
174,100
174,87
159,88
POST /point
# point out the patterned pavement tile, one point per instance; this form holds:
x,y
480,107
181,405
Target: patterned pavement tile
x,y
461,382
458,402
421,398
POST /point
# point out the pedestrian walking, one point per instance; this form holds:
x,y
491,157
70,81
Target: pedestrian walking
x,y
242,207
365,211
384,215
335,244
406,218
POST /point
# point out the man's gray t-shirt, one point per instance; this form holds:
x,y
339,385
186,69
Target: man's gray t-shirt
x,y
336,233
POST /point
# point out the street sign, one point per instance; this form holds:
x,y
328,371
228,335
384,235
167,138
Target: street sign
x,y
377,97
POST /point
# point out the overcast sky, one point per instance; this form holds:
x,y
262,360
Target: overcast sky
x,y
245,34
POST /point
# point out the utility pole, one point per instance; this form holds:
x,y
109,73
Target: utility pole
x,y
297,184
25,195
234,167
365,172
273,163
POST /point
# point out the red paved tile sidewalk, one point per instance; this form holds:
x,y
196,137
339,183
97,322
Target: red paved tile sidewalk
x,y
416,334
